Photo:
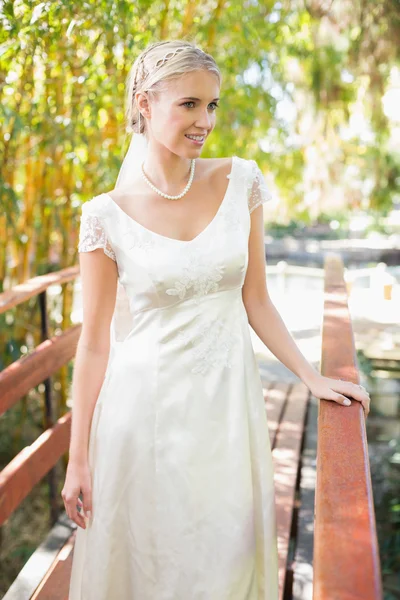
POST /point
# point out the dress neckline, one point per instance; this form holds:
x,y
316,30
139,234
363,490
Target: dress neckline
x,y
176,240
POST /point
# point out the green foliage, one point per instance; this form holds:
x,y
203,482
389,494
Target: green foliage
x,y
294,75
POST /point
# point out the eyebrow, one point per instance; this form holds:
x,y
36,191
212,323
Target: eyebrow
x,y
192,98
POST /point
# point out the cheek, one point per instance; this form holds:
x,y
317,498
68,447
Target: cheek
x,y
178,120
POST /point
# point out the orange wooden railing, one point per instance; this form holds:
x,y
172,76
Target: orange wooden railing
x,y
37,460
346,553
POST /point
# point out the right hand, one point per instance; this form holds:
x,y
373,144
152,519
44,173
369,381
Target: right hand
x,y
339,391
77,480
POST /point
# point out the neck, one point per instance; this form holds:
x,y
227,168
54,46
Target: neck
x,y
167,172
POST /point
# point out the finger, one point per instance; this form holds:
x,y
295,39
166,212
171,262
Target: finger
x,y
68,507
82,511
361,396
87,502
354,391
340,399
73,513
75,516
365,404
78,518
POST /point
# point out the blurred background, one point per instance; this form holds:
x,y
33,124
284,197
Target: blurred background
x,y
310,90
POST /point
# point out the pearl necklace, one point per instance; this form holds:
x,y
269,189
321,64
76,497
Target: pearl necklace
x,y
153,187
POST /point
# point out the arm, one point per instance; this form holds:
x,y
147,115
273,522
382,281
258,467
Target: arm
x,y
270,328
262,314
99,276
99,286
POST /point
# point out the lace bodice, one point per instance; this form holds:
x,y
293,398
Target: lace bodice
x,y
93,235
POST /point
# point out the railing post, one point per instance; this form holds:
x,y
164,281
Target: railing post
x,y
48,420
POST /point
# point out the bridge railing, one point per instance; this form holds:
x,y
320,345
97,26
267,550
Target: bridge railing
x,y
36,461
346,552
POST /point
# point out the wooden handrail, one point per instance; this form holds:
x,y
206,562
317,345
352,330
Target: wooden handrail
x,y
31,464
34,462
346,552
32,287
33,368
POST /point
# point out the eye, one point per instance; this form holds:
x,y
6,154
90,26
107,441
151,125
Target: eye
x,y
192,102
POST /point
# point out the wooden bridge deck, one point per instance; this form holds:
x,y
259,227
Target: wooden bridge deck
x,y
46,574
339,534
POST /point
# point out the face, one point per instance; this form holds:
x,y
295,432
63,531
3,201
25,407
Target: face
x,y
186,107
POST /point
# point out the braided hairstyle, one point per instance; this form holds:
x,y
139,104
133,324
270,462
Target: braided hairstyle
x,y
158,63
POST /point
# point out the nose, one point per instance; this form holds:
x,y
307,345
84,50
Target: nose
x,y
205,121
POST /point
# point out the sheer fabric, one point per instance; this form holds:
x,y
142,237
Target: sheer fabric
x,y
92,234
259,192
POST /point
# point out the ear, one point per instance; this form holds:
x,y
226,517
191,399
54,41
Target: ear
x,y
143,104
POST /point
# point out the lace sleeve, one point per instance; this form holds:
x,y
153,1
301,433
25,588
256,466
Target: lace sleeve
x,y
259,192
92,234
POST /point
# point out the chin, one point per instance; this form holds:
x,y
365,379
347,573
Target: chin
x,y
192,152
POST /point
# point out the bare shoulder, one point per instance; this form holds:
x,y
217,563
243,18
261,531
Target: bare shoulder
x,y
118,195
219,171
219,168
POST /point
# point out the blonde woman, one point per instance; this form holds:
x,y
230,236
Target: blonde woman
x,y
169,447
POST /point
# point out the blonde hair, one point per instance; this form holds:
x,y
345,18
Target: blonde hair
x,y
156,65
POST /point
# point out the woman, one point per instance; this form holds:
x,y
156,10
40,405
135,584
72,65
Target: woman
x,y
171,449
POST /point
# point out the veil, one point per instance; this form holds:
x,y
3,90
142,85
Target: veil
x,y
121,323
131,165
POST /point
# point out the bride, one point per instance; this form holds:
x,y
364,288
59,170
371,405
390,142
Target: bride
x,y
170,475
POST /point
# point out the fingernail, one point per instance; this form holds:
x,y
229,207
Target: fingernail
x,y
88,514
346,402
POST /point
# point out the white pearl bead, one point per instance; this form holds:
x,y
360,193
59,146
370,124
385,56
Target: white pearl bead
x,y
192,167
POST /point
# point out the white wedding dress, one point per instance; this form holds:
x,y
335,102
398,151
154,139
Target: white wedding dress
x,y
183,504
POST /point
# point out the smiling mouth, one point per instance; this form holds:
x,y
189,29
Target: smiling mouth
x,y
196,139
